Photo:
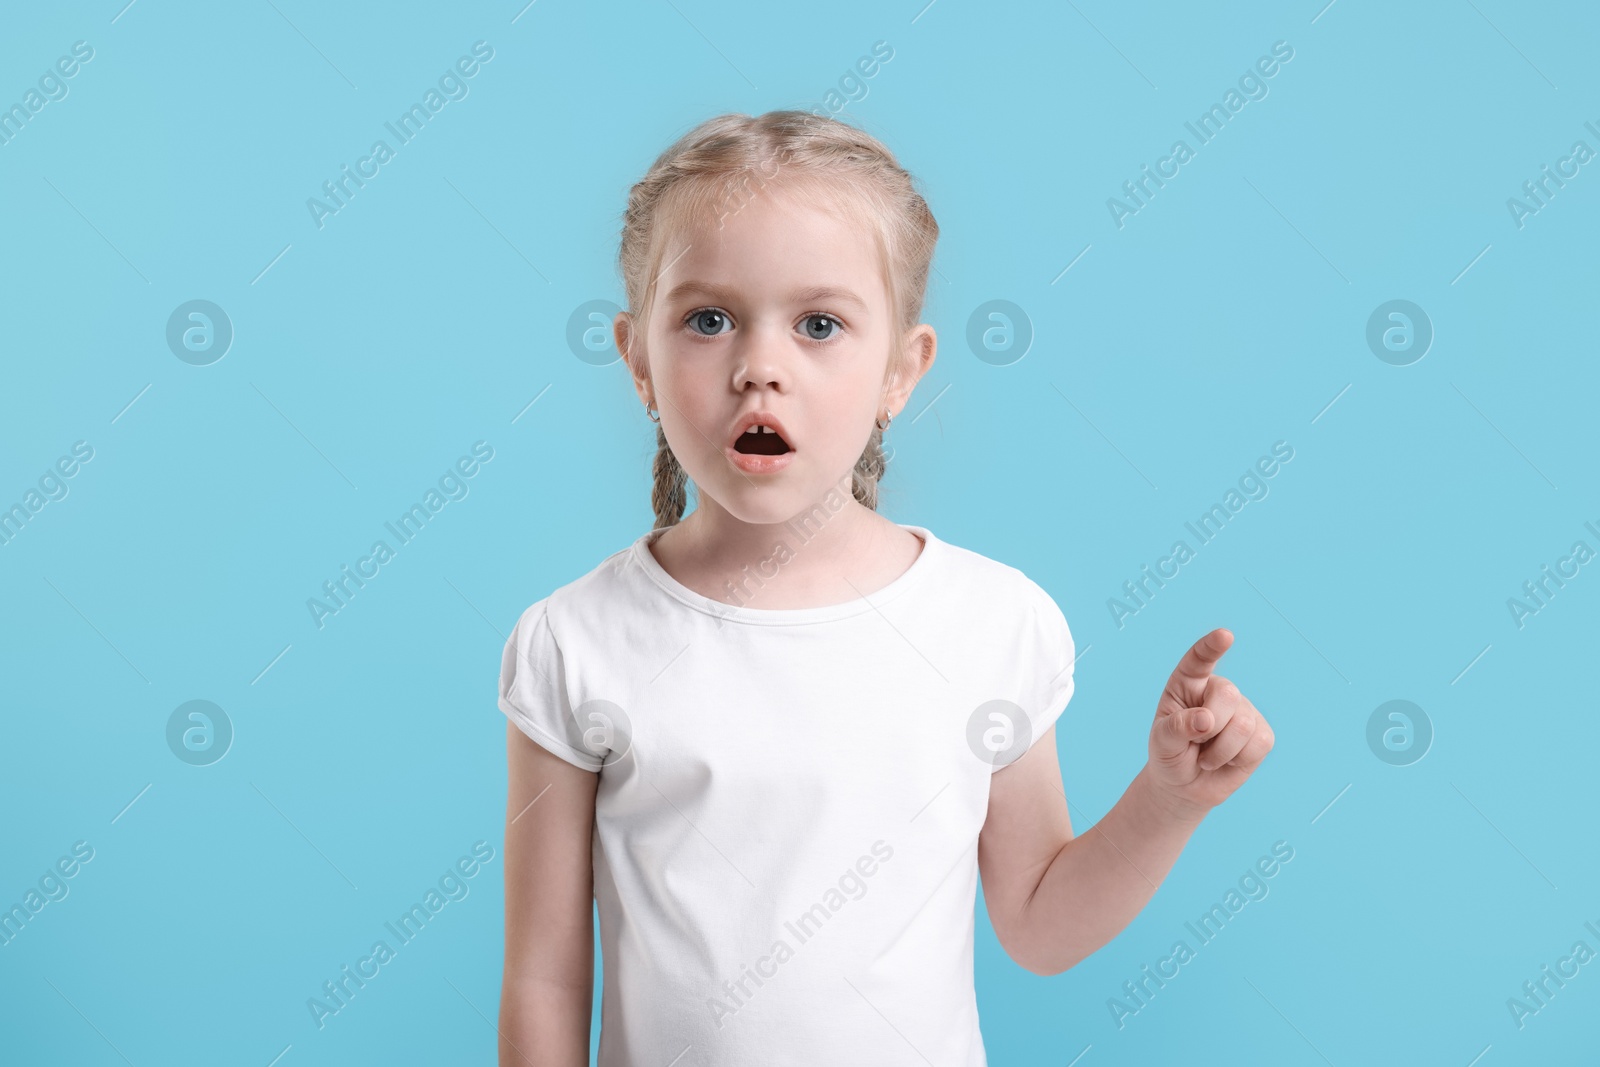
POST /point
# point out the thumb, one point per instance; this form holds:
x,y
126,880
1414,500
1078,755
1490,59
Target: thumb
x,y
1172,737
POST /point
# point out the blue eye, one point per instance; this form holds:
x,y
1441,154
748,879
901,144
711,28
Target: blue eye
x,y
707,317
818,327
825,320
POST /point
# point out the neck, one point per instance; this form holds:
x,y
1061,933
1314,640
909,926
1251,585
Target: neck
x,y
809,547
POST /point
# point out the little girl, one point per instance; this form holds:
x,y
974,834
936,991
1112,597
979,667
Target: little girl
x,y
778,740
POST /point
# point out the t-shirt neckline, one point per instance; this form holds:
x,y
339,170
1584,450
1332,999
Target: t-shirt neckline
x,y
913,574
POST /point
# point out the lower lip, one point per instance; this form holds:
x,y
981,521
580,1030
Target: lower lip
x,y
758,464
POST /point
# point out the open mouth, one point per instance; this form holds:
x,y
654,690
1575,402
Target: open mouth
x,y
761,441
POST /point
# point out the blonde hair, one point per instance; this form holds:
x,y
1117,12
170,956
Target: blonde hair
x,y
704,174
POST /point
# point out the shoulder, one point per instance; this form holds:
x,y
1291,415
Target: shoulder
x,y
1004,603
989,581
1010,621
608,593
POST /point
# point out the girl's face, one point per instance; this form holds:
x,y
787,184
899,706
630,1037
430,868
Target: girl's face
x,y
782,310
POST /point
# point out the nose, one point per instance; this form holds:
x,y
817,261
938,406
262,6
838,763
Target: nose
x,y
762,361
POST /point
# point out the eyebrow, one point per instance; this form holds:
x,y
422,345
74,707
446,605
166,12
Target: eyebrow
x,y
808,294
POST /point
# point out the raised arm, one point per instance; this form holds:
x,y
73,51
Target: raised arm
x,y
1053,898
546,995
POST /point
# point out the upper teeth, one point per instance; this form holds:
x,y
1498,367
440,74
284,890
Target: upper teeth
x,y
761,428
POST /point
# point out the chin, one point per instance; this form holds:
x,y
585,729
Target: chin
x,y
812,508
764,507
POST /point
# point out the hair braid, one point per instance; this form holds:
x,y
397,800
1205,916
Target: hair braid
x,y
669,497
869,471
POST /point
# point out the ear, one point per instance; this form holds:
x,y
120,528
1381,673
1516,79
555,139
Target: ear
x,y
631,350
916,356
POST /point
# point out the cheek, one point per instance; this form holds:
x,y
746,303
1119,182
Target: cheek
x,y
681,370
844,419
861,399
847,413
693,392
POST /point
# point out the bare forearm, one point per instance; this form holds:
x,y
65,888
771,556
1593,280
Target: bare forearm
x,y
1103,877
545,1025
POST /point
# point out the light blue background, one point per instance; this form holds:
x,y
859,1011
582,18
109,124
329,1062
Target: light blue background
x,y
1228,314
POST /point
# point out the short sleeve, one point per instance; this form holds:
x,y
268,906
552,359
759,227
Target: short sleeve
x,y
1045,657
533,690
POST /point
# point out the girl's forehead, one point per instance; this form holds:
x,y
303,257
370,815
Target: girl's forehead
x,y
793,248
715,210
780,243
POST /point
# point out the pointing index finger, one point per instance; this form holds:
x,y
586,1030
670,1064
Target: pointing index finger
x,y
1190,675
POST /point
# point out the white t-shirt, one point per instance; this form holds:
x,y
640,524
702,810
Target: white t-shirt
x,y
786,823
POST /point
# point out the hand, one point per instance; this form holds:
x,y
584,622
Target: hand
x,y
1207,738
